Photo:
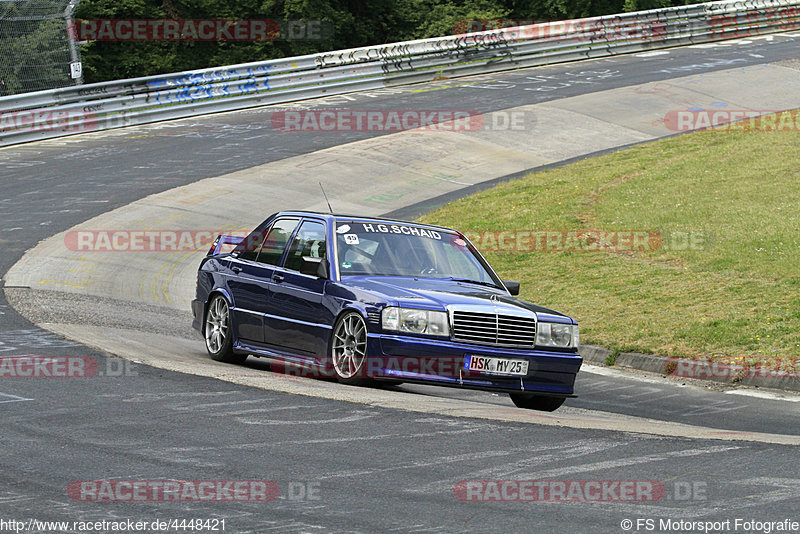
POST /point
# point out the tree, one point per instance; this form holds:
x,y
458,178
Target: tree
x,y
350,24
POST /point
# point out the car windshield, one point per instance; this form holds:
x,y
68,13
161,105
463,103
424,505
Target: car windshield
x,y
406,250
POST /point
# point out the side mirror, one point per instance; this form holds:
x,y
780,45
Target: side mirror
x,y
513,287
315,267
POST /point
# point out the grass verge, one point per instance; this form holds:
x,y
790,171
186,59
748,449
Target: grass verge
x,y
719,277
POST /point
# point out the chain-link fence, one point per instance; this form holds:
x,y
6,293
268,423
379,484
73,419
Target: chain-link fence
x,y
36,51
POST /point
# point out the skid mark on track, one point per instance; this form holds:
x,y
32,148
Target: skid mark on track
x,y
625,393
172,452
423,464
7,397
508,470
358,416
755,502
626,462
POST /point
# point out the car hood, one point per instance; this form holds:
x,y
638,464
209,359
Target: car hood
x,y
432,293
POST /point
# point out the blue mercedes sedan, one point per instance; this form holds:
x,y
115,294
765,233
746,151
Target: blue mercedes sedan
x,y
361,299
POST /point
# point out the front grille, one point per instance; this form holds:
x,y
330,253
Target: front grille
x,y
494,329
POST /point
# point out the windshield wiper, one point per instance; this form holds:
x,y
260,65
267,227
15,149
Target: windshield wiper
x,y
469,281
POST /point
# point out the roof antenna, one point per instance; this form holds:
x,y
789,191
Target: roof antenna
x,y
326,198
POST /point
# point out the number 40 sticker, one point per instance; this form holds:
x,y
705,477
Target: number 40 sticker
x,y
351,239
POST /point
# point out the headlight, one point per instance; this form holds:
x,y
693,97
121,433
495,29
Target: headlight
x,y
432,323
557,335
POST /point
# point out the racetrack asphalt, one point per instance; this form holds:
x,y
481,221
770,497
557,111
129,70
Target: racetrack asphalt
x,y
379,468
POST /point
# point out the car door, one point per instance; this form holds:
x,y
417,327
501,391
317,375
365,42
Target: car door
x,y
251,269
298,319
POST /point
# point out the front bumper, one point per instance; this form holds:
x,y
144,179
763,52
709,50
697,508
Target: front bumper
x,y
442,362
198,309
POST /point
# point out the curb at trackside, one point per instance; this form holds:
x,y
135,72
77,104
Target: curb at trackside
x,y
661,365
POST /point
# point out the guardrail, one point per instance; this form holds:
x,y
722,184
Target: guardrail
x,y
101,106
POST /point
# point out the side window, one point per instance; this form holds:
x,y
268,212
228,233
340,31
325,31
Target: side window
x,y
276,240
248,249
309,241
356,258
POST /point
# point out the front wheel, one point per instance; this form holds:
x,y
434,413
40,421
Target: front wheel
x,y
349,349
219,340
536,402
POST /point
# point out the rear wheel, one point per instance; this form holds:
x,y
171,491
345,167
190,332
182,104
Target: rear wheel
x,y
536,402
349,349
219,341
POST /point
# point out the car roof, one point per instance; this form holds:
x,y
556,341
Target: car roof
x,y
357,218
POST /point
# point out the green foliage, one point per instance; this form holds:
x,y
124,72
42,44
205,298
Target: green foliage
x,y
355,23
720,282
564,9
35,59
445,18
641,5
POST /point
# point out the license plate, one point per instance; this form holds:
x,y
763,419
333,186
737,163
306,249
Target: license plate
x,y
496,366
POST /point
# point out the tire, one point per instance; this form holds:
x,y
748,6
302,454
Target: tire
x,y
348,350
218,333
536,402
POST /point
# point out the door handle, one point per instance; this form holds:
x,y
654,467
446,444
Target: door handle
x,y
277,277
236,269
